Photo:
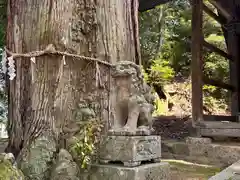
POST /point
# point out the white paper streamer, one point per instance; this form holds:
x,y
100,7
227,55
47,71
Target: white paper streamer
x,y
11,68
33,59
98,76
33,71
4,62
64,60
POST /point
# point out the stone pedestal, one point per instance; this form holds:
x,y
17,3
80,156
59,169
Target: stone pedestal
x,y
154,171
131,150
131,158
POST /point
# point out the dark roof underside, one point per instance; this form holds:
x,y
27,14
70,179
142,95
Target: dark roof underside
x,y
145,5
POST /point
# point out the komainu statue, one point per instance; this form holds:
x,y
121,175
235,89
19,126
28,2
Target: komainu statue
x,y
133,101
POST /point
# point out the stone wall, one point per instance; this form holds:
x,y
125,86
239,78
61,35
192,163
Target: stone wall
x,y
230,173
202,151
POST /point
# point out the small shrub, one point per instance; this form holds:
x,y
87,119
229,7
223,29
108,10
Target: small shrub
x,y
86,142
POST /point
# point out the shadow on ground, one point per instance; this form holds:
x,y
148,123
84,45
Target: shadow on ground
x,y
172,127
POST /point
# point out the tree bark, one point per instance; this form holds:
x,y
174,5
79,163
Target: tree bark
x,y
45,94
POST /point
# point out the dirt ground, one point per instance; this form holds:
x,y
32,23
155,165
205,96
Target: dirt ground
x,y
171,127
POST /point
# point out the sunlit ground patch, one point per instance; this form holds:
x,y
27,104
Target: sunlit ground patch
x,y
182,170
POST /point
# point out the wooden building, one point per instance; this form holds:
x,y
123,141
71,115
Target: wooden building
x,y
229,17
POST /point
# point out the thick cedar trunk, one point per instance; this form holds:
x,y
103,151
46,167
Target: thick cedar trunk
x,y
43,96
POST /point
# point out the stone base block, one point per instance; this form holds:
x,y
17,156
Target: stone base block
x,y
155,171
131,150
198,146
195,140
126,132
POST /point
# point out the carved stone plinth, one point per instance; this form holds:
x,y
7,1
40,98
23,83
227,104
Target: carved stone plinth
x,y
155,171
131,150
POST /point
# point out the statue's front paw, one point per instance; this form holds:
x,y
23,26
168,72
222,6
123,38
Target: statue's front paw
x,y
127,130
123,131
144,130
115,131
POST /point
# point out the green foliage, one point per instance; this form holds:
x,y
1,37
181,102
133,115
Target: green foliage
x,y
3,21
3,98
151,23
174,36
3,25
8,172
176,48
170,40
215,65
160,72
86,141
157,68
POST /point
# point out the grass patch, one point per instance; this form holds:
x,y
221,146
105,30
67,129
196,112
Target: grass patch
x,y
182,170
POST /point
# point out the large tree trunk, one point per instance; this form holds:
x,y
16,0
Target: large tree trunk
x,y
45,94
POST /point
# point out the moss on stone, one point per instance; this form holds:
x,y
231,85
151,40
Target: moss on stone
x,y
8,172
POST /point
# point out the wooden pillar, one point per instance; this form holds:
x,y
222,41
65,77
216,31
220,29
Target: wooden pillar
x,y
197,65
233,49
